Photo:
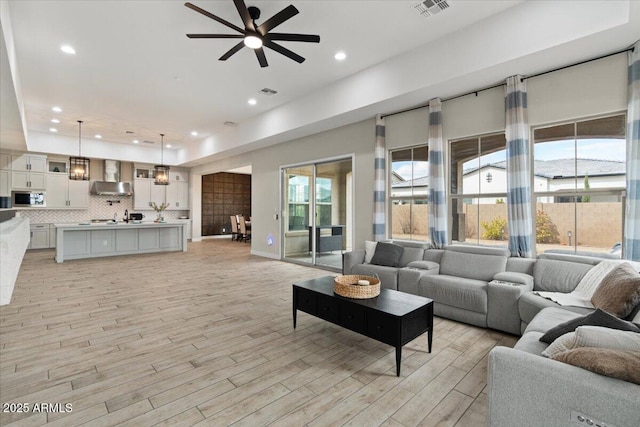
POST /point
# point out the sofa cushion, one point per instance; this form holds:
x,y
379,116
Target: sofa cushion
x,y
388,275
369,250
513,277
423,265
595,336
471,266
433,255
558,276
457,292
597,318
530,304
619,292
410,255
620,364
530,343
387,254
549,318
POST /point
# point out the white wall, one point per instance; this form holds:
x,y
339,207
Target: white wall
x,y
587,90
357,139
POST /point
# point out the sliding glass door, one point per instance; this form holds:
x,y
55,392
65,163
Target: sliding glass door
x,y
317,211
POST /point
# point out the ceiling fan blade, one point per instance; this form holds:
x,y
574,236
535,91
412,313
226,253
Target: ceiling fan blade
x,y
277,19
262,59
215,36
310,38
232,51
283,50
214,17
244,14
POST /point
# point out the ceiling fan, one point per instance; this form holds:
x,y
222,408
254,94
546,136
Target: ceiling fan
x,y
256,36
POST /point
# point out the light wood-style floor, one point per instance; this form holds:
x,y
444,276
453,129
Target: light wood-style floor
x,y
206,337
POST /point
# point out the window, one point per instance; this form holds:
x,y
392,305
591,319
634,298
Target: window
x,y
579,179
409,193
299,218
478,183
298,202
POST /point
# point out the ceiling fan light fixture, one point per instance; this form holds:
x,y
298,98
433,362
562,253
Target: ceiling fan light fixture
x,y
253,42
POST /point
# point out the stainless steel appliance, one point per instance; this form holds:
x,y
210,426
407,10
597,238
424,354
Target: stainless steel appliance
x,y
28,199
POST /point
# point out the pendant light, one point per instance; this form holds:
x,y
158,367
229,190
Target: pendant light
x,y
161,171
79,166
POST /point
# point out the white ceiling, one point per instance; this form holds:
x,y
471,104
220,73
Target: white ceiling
x,y
135,70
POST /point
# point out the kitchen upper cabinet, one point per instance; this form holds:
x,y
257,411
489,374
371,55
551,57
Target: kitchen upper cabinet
x,y
5,161
65,193
29,163
28,172
145,192
178,176
178,195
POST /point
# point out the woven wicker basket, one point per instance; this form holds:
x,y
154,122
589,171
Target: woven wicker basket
x,y
347,286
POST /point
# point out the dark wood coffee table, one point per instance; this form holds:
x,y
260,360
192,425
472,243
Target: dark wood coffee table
x,y
393,317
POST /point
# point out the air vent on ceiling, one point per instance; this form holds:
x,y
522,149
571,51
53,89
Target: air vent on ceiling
x,y
268,92
428,8
231,124
148,142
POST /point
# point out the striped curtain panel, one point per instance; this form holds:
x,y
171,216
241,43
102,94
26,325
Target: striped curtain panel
x,y
438,230
518,170
379,184
632,213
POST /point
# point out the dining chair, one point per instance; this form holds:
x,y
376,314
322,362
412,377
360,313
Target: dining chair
x,y
234,227
245,234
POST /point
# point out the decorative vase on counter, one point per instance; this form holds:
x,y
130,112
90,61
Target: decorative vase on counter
x,y
159,209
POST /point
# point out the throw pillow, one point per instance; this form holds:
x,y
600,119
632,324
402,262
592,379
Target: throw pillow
x,y
562,343
619,291
594,336
387,254
369,250
597,318
620,364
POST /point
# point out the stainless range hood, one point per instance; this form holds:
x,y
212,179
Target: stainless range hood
x,y
111,186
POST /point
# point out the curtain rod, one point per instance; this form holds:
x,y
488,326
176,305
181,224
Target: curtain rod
x,y
629,49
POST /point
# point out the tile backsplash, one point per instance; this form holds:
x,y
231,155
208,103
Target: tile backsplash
x,y
99,208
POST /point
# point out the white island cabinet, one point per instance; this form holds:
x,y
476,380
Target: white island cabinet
x,y
75,241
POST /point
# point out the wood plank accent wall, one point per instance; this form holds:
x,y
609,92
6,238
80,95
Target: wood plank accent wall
x,y
224,194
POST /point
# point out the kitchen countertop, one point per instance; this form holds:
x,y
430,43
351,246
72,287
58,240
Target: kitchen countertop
x,y
121,224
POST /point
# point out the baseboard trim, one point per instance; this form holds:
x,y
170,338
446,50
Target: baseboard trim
x,y
265,254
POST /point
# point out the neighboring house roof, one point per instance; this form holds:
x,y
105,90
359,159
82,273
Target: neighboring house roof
x,y
552,169
564,168
396,178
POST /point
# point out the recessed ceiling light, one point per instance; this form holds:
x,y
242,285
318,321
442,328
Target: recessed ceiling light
x,y
98,136
340,56
55,121
54,130
68,49
194,133
135,141
252,101
168,145
57,109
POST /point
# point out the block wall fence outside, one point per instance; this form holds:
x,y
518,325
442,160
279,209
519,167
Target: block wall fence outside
x,y
598,224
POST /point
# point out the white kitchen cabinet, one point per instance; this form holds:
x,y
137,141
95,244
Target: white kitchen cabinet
x,y
29,163
39,236
21,180
145,192
65,193
178,175
28,172
5,161
5,183
178,195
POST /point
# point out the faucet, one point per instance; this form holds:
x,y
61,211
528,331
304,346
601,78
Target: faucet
x,y
126,215
115,217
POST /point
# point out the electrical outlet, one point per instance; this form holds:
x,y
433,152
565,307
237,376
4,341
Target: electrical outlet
x,y
586,420
105,243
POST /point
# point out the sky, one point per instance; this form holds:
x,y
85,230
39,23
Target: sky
x,y
602,149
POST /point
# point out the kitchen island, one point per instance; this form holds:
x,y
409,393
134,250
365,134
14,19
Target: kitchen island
x,y
93,240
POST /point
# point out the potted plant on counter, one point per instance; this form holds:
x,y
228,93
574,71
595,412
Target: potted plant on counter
x,y
159,209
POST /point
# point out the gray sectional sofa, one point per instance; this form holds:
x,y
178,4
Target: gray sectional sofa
x,y
479,285
483,286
